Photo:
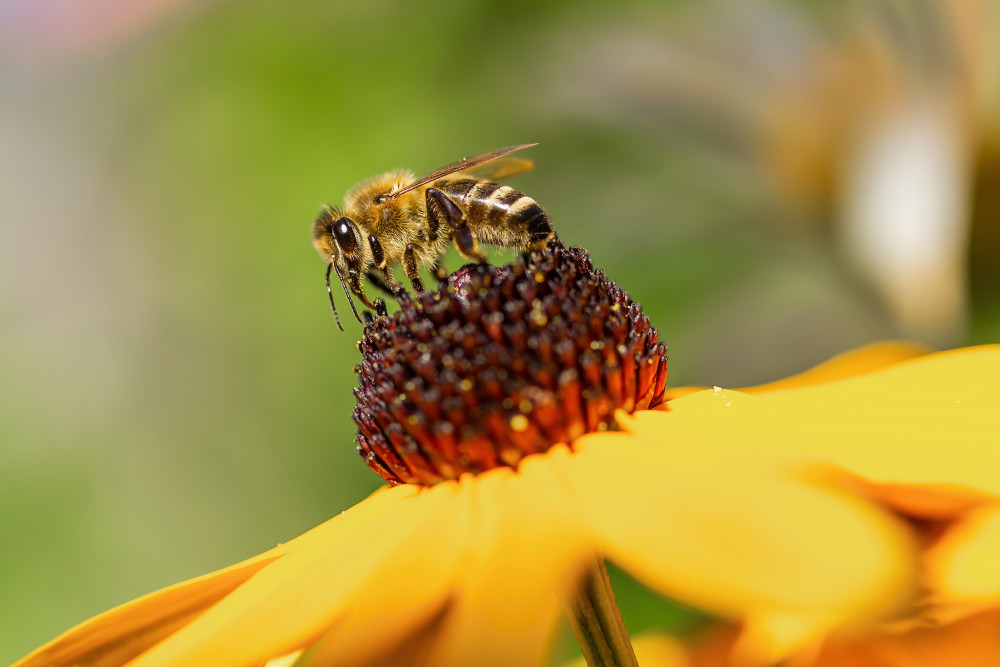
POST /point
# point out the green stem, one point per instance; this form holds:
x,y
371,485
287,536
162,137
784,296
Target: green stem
x,y
597,622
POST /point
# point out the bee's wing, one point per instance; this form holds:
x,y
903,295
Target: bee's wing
x,y
500,168
477,164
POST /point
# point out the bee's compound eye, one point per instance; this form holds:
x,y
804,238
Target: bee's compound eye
x,y
345,234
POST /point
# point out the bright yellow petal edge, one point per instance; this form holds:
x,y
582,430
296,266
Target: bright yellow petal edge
x,y
859,361
719,479
929,421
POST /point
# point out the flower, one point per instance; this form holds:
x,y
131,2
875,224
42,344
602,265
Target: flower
x,y
766,507
945,490
502,364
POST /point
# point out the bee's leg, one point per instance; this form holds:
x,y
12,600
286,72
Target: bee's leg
x,y
354,282
440,205
380,283
385,281
410,267
433,222
397,289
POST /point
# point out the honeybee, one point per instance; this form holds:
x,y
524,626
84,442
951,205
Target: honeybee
x,y
395,219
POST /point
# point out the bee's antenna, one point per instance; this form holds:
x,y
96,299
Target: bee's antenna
x,y
346,291
329,293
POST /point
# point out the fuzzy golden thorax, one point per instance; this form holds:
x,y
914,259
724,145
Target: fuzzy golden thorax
x,y
395,222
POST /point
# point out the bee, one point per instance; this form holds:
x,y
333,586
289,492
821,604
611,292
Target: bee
x,y
396,219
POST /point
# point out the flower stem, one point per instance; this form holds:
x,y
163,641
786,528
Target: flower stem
x,y
597,622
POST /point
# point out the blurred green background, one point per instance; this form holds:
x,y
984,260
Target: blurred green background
x,y
174,395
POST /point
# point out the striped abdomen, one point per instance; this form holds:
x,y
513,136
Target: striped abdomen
x,y
499,214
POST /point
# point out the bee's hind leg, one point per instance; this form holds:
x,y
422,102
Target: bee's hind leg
x,y
439,205
411,269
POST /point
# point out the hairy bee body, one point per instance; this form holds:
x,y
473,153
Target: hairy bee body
x,y
396,219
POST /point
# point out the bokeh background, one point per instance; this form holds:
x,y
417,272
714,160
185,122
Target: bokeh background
x,y
775,181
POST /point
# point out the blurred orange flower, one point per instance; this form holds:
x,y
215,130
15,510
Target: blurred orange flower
x,y
797,511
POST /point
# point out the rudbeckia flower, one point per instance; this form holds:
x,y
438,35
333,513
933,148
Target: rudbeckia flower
x,y
498,409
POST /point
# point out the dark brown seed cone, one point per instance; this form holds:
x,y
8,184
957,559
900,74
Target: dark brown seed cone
x,y
500,363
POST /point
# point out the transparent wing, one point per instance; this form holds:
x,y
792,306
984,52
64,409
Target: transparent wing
x,y
500,168
477,164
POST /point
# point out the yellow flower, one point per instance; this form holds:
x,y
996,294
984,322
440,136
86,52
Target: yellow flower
x,y
938,475
766,507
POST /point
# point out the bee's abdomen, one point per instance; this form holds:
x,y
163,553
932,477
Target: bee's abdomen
x,y
498,211
527,215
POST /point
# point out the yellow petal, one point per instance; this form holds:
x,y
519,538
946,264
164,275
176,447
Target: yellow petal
x,y
853,363
964,566
735,537
527,542
930,421
119,634
926,502
426,574
865,359
971,642
293,601
508,546
653,650
401,594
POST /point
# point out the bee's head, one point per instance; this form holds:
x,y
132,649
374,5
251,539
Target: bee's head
x,y
337,238
338,241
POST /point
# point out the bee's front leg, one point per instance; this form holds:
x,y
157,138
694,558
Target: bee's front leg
x,y
382,280
354,282
439,206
